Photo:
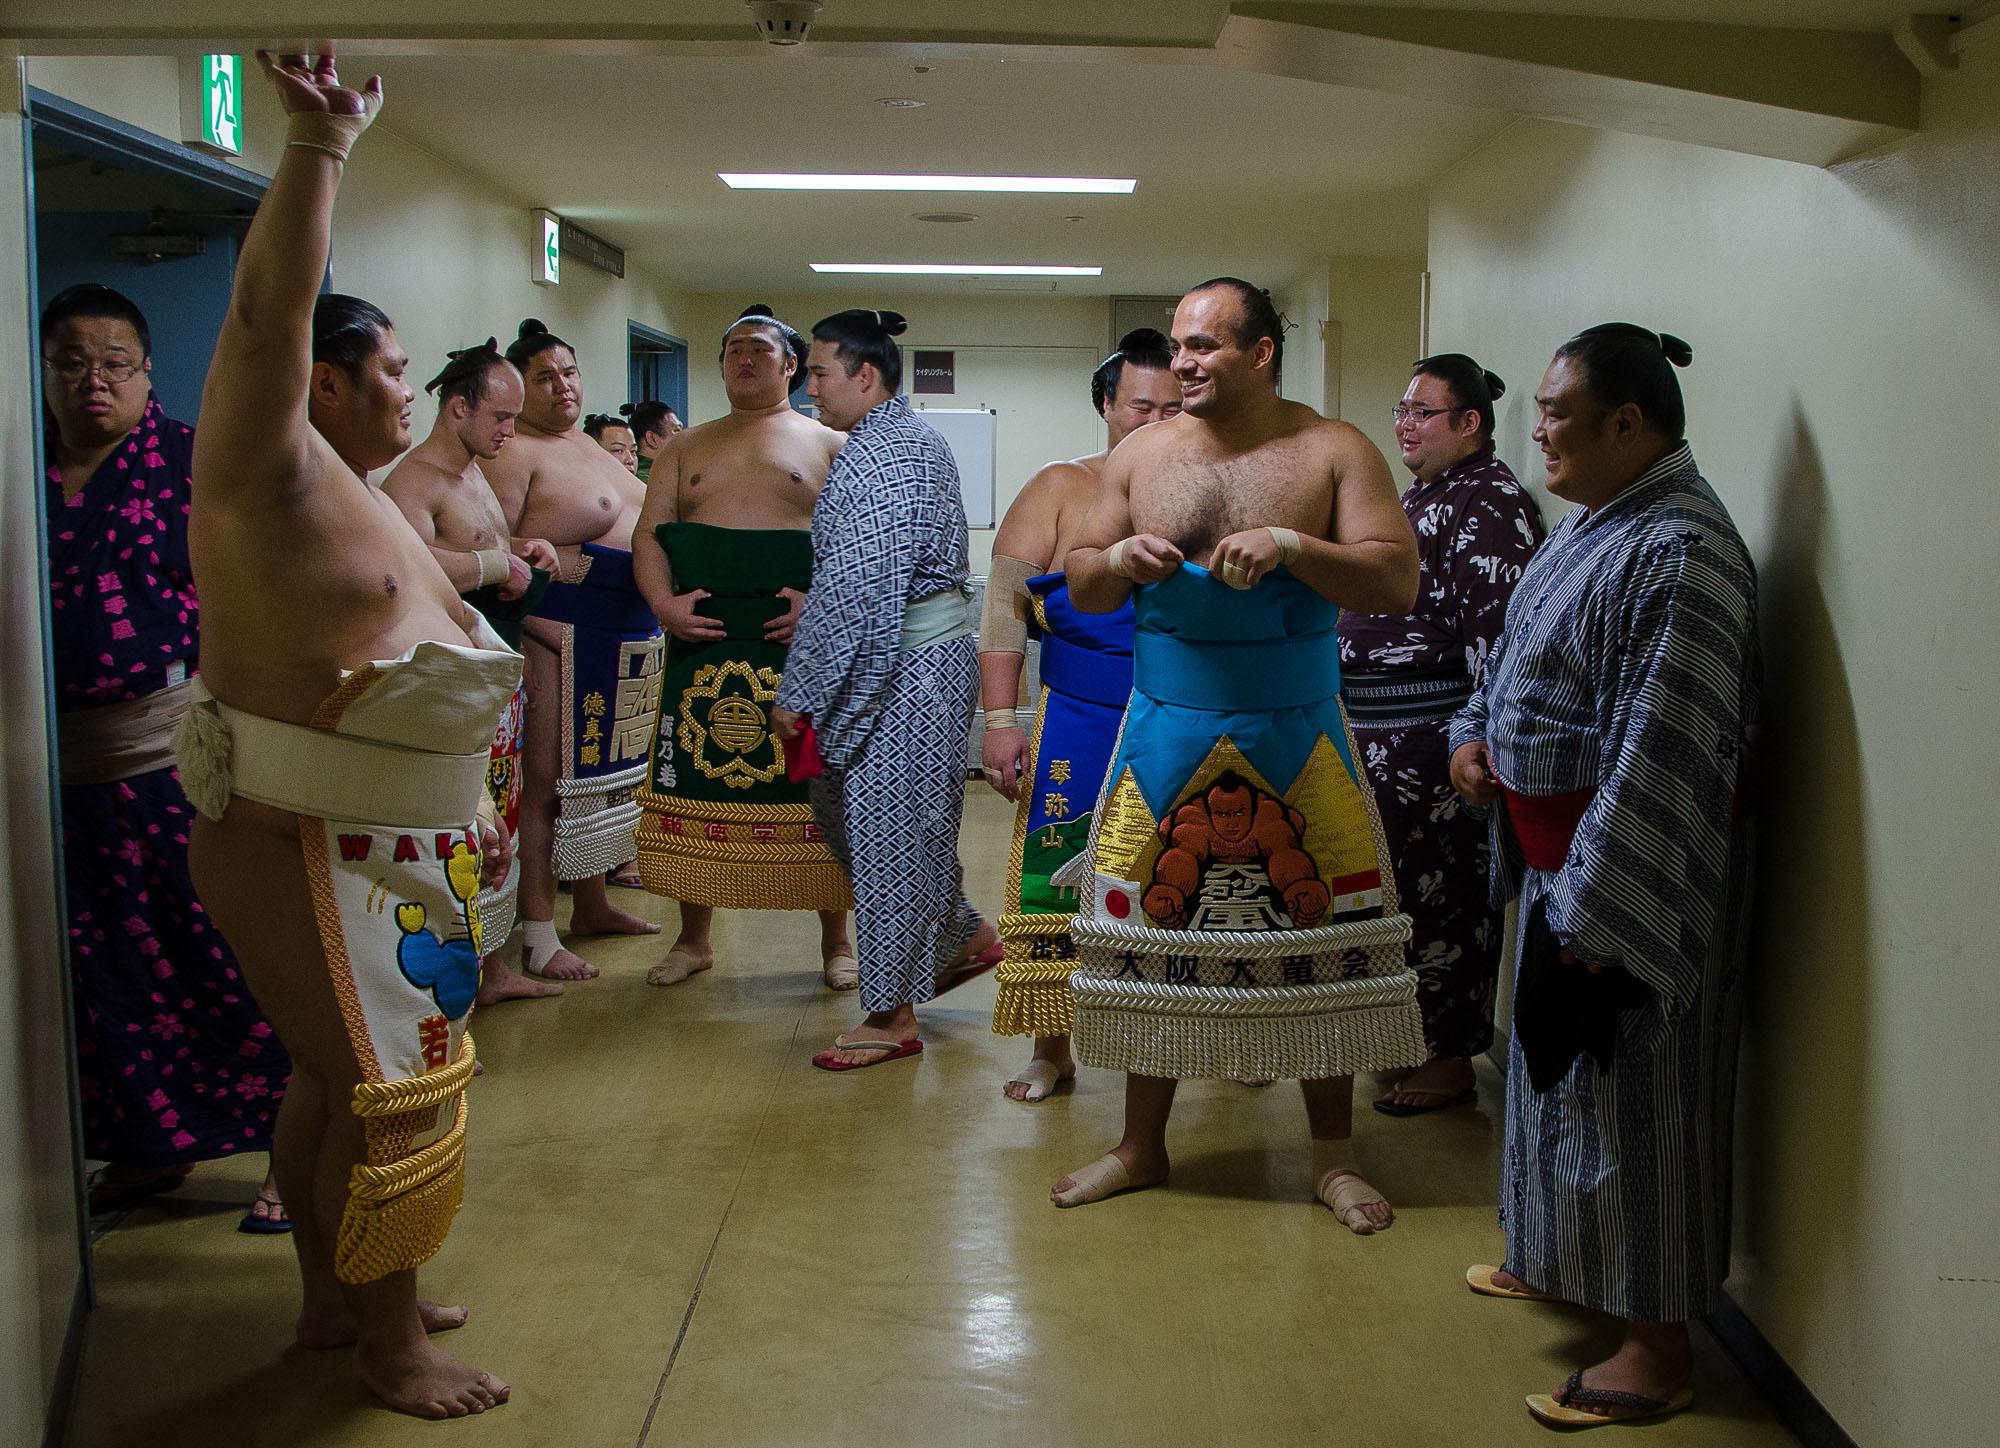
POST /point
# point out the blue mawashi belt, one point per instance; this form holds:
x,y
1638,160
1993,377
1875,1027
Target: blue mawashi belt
x,y
1237,677
1085,673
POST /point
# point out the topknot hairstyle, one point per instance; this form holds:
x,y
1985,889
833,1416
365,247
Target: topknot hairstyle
x,y
1472,387
1260,318
1625,363
531,341
346,331
649,416
466,373
1145,347
862,336
762,316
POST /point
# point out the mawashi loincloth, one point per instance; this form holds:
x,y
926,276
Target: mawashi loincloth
x,y
506,615
610,695
723,826
1086,674
386,785
497,902
1238,916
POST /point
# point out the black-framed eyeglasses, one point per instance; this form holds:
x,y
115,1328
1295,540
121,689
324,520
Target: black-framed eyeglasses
x,y
75,369
1404,413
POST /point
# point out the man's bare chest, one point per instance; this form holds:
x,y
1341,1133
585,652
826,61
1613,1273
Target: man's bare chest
x,y
1197,502
469,516
751,487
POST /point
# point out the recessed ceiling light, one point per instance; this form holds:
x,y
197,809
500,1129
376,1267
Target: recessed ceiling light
x,y
900,103
946,218
953,269
810,181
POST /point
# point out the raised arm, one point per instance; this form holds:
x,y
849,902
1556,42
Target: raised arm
x,y
1108,558
253,408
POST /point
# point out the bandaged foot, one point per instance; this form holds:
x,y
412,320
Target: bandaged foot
x,y
1037,1079
841,971
679,964
1105,1177
543,956
1360,1208
498,981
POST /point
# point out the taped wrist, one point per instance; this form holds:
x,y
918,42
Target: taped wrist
x,y
1114,558
324,131
1002,719
1289,547
492,565
1003,618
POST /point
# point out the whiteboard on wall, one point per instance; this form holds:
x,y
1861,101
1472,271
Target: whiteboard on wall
x,y
971,433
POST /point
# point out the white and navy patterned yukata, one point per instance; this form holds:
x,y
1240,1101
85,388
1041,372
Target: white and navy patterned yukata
x,y
1630,666
1476,529
888,529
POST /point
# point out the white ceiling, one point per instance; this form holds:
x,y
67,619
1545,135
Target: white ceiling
x,y
1237,172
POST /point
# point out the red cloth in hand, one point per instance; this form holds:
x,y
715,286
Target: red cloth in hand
x,y
802,760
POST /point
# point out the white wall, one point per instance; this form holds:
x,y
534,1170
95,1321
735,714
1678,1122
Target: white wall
x,y
1027,357
1846,327
40,1247
1358,372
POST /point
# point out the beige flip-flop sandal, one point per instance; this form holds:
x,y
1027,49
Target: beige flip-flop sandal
x,y
1556,1408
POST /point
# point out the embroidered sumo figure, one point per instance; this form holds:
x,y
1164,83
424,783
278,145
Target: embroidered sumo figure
x,y
448,969
1233,861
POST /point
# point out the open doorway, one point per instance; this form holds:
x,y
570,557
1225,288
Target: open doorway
x,y
659,369
172,1066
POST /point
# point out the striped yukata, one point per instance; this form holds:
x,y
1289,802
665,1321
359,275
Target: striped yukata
x,y
1629,666
890,689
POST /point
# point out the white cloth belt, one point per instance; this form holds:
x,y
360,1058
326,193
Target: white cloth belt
x,y
225,751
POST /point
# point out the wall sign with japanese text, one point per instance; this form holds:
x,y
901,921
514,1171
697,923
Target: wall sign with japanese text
x,y
934,372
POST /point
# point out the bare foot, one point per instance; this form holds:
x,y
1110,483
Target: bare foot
x,y
499,981
1432,1085
335,1327
608,919
1361,1209
1118,1170
561,964
680,963
428,1383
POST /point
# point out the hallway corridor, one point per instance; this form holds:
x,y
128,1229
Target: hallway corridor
x,y
678,1232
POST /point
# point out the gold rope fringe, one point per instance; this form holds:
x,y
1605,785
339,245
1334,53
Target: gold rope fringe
x,y
724,810
397,1215
812,884
414,1093
1034,1008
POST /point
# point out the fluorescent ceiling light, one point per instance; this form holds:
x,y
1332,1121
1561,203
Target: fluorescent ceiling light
x,y
807,181
953,269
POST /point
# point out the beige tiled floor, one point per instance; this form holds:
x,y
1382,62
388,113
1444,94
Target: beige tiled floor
x,y
678,1232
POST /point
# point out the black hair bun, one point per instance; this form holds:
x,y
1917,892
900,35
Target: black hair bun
x,y
624,409
1495,388
894,324
755,309
1678,352
1142,339
532,327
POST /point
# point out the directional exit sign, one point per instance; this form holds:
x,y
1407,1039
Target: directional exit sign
x,y
548,249
212,103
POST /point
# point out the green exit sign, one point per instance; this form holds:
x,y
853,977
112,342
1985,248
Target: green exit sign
x,y
212,103
548,249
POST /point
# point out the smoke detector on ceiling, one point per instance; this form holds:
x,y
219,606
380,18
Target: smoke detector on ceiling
x,y
783,22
